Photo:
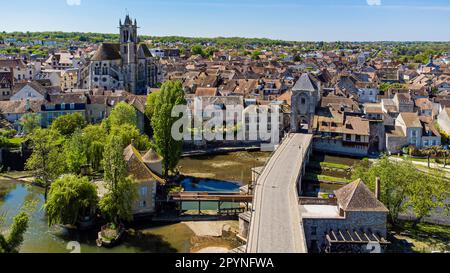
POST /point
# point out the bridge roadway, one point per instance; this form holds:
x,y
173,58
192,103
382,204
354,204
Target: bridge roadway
x,y
276,225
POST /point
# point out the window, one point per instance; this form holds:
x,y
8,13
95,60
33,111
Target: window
x,y
144,191
303,101
348,137
142,204
72,106
358,138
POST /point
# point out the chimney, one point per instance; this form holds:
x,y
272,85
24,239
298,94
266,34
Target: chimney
x,y
378,188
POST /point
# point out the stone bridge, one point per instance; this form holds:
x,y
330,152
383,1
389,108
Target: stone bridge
x,y
275,224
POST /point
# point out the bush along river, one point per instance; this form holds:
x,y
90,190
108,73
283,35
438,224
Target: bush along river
x,y
224,173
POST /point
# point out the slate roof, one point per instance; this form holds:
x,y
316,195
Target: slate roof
x,y
107,52
305,83
357,197
145,50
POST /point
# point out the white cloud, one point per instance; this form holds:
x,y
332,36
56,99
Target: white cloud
x,y
73,2
374,2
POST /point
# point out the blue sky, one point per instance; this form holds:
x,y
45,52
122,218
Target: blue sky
x,y
300,20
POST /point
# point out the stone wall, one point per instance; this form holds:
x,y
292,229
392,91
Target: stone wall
x,y
394,144
336,146
373,221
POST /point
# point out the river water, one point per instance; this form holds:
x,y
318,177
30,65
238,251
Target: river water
x,y
225,173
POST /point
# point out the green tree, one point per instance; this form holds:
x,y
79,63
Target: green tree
x,y
394,184
198,50
70,198
256,54
117,204
150,105
30,122
12,242
122,114
94,140
66,125
425,193
431,152
75,152
162,121
47,159
130,134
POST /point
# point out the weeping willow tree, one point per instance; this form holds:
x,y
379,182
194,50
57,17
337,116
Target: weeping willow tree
x,y
70,198
95,154
94,142
12,242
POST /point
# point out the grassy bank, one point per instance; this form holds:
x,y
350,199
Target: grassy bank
x,y
329,169
423,238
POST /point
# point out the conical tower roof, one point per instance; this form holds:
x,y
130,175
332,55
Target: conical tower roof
x,y
151,157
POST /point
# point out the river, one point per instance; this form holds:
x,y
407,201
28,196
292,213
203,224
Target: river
x,y
208,173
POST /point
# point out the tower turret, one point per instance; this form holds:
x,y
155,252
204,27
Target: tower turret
x,y
128,51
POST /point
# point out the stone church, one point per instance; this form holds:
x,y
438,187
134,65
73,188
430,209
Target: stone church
x,y
127,65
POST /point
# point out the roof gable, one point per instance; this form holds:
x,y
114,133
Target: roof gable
x,y
305,83
357,197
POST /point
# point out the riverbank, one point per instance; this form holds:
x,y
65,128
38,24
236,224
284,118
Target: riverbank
x,y
228,171
235,167
327,173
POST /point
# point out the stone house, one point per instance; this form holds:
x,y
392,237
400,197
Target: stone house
x,y
348,224
443,120
6,85
410,129
146,172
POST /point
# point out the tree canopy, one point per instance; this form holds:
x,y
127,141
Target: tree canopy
x,y
29,122
70,198
117,204
170,149
122,114
12,242
47,160
66,125
405,188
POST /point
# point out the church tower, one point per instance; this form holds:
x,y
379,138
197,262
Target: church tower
x,y
128,50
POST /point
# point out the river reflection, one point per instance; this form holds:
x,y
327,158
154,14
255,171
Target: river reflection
x,y
223,173
39,238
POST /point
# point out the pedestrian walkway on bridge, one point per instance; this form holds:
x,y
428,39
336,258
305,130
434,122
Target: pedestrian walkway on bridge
x,y
275,225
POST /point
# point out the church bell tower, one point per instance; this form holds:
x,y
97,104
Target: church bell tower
x,y
128,50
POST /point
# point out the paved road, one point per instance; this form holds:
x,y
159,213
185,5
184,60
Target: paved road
x,y
276,225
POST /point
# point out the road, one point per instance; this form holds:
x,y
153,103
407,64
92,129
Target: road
x,y
275,226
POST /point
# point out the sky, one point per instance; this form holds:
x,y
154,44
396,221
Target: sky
x,y
294,20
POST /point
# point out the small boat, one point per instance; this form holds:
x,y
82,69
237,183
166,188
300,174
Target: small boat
x,y
112,240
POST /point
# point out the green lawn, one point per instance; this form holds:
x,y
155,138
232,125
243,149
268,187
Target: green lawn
x,y
328,165
325,178
432,160
424,238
